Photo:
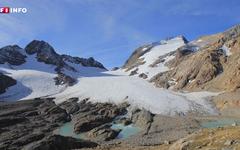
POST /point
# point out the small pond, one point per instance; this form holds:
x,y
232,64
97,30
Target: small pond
x,y
127,131
68,130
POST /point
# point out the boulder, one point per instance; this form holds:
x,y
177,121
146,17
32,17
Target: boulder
x,y
142,118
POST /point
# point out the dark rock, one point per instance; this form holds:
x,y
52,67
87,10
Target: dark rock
x,y
28,139
93,115
143,75
124,121
89,62
115,68
5,82
71,105
12,55
45,53
64,79
57,142
28,121
10,121
132,73
103,133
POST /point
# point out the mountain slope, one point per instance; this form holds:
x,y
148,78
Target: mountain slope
x,y
214,66
39,70
150,59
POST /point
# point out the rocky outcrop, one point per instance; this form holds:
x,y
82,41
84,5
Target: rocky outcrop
x,y
71,105
62,79
87,62
57,142
29,121
103,133
94,115
12,55
142,118
135,60
5,82
209,68
44,53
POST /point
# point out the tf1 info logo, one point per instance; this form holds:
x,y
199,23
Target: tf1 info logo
x,y
7,10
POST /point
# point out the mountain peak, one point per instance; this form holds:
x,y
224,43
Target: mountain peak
x,y
38,46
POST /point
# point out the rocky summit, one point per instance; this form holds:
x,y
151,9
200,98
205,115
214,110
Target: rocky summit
x,y
172,94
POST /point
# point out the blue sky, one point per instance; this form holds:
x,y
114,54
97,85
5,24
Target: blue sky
x,y
110,30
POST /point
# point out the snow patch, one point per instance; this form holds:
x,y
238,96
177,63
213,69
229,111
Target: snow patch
x,y
226,50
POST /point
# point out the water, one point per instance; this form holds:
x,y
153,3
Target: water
x,y
68,130
127,131
220,123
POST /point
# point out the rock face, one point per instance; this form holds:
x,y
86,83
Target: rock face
x,y
64,79
142,118
57,142
87,62
103,133
214,66
95,115
12,55
29,121
135,60
45,53
5,82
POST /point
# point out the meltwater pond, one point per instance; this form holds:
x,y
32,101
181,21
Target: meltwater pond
x,y
220,123
127,131
68,130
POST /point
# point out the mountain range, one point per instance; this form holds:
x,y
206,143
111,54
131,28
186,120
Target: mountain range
x,y
172,94
158,72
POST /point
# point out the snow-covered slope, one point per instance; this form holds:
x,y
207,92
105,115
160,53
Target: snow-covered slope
x,y
117,88
34,79
154,57
36,73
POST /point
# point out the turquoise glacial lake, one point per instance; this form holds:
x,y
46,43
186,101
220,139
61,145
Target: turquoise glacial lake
x,y
127,131
68,130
